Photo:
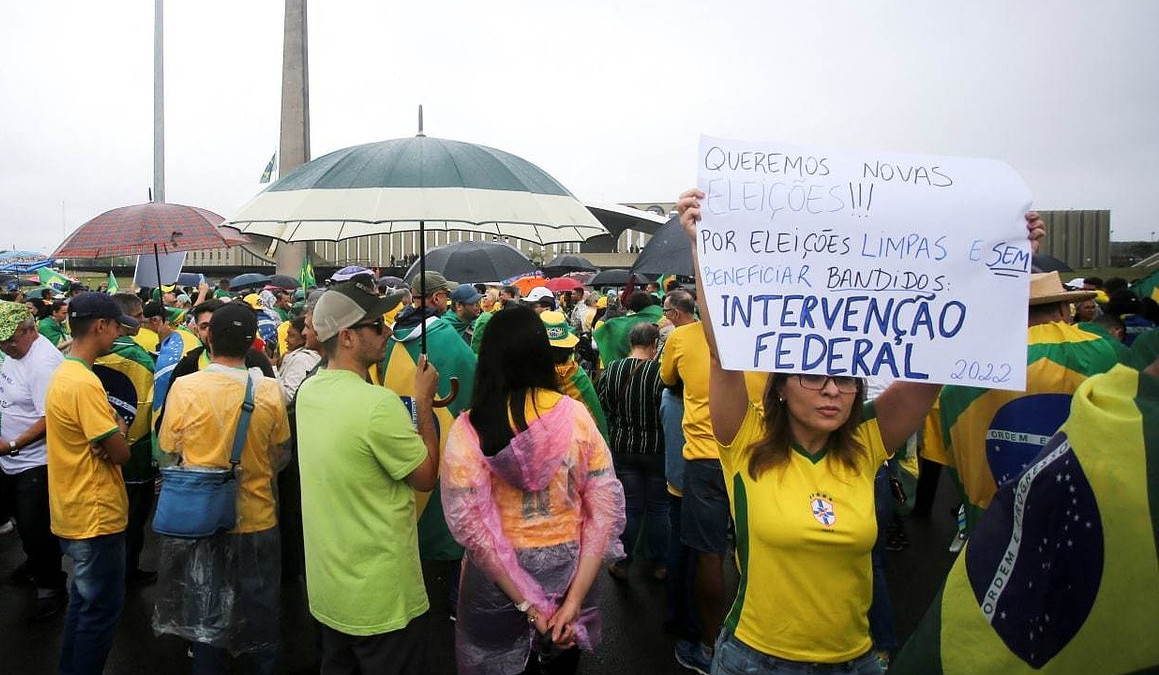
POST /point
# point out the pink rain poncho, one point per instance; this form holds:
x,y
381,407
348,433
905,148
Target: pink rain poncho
x,y
532,510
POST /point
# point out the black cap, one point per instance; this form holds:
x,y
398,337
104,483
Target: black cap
x,y
90,305
234,320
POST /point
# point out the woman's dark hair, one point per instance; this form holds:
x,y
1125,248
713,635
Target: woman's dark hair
x,y
773,450
643,334
514,359
637,301
298,323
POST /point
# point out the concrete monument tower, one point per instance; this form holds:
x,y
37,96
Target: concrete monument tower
x,y
294,143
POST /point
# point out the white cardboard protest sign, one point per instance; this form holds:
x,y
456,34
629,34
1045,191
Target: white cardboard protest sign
x,y
910,266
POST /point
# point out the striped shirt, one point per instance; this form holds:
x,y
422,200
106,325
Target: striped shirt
x,y
629,392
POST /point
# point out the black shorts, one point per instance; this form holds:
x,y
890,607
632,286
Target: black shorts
x,y
704,513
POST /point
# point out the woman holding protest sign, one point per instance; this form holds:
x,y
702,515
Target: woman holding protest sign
x,y
800,481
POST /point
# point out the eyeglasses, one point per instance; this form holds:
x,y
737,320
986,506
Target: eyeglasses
x,y
844,383
668,310
377,325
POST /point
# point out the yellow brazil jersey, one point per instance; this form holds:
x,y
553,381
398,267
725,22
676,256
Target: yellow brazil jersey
x,y
86,494
685,359
804,533
203,412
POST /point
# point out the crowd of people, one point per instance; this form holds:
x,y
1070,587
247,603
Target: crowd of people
x,y
539,441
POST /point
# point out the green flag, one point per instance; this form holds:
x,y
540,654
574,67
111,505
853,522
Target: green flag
x,y
50,277
269,172
306,275
113,285
1055,578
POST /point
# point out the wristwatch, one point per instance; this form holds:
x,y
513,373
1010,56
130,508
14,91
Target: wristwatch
x,y
12,449
523,606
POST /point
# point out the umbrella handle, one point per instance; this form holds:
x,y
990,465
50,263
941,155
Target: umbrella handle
x,y
444,402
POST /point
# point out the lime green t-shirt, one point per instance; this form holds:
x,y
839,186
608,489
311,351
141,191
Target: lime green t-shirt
x,y
356,446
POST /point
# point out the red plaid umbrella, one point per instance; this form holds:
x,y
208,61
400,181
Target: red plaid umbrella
x,y
148,228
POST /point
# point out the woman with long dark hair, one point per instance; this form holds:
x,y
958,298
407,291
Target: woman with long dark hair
x,y
529,490
800,478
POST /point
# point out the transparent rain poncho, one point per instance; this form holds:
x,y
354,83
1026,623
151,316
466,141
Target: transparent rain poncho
x,y
532,510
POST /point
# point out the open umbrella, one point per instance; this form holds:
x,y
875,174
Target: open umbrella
x,y
247,280
561,284
282,281
415,185
616,277
667,252
566,264
470,262
154,227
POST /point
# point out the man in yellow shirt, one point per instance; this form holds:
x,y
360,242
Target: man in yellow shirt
x,y
237,613
86,494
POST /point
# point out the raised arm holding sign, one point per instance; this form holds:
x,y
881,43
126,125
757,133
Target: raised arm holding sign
x,y
814,443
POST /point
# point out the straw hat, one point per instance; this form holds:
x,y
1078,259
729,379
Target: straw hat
x,y
1047,287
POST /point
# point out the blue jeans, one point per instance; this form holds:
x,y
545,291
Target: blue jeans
x,y
680,615
733,657
880,615
645,501
96,596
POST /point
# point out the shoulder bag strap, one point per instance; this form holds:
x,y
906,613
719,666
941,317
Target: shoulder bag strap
x,y
243,423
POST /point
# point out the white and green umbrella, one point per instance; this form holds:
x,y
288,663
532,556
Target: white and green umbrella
x,y
413,184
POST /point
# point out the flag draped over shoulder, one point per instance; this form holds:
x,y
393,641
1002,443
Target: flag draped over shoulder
x,y
113,286
1061,574
1148,286
451,356
126,373
991,434
612,336
575,383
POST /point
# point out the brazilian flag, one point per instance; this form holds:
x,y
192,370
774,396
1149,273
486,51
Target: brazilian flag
x,y
451,356
612,336
126,373
1061,574
1148,286
991,435
574,382
1145,349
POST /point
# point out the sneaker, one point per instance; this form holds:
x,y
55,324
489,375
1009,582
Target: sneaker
x,y
48,606
694,657
140,577
882,660
618,571
8,527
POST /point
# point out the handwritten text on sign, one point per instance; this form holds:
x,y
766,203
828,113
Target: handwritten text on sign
x,y
908,266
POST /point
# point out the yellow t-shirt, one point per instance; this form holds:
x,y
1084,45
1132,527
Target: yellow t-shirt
x,y
201,415
685,358
804,533
148,340
86,494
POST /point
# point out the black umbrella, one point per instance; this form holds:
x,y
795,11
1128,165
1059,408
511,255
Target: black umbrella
x,y
667,252
566,264
472,262
616,277
1045,263
247,280
281,281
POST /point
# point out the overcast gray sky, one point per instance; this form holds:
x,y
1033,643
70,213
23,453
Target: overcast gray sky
x,y
608,96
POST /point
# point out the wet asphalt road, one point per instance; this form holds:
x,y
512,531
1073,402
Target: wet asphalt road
x,y
633,613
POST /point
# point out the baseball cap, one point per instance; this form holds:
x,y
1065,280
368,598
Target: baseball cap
x,y
466,294
154,308
348,303
431,283
537,294
90,305
559,333
234,320
12,314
